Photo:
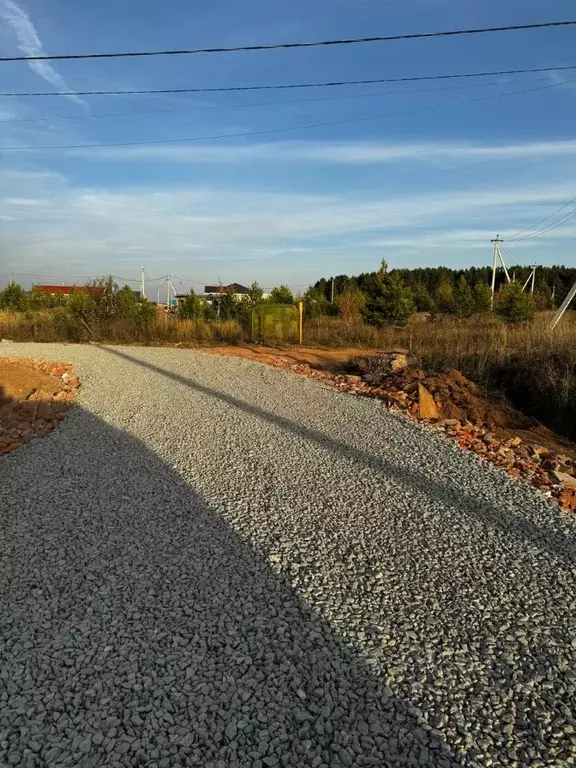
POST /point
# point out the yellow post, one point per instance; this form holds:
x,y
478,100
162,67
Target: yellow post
x,y
300,315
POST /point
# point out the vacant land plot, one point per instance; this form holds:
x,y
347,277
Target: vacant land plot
x,y
217,563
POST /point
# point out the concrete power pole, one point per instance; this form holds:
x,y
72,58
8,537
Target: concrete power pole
x,y
142,284
497,257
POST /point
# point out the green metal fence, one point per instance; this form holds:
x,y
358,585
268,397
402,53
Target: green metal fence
x,y
275,323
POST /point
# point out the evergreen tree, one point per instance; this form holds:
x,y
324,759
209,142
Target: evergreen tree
x,y
482,297
422,298
391,303
255,295
13,297
191,306
513,304
315,303
444,298
281,295
463,298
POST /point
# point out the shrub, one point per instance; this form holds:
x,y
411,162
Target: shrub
x,y
514,305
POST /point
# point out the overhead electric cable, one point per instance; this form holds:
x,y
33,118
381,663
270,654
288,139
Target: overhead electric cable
x,y
286,86
550,216
277,46
314,100
269,131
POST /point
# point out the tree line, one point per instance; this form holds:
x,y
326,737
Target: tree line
x,y
391,296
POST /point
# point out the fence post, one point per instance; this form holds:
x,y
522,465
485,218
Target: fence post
x,y
300,315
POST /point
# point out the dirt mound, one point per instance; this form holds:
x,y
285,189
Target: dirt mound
x,y
456,397
34,396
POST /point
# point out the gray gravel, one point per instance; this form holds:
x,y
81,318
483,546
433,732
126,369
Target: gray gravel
x,y
214,563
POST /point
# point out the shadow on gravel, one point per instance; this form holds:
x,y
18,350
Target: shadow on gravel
x,y
546,538
137,628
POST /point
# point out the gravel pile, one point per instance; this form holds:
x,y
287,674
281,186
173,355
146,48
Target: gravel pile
x,y
216,563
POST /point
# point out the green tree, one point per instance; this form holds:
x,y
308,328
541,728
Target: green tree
x,y
482,297
255,295
227,306
463,298
422,298
281,295
102,291
40,300
13,297
513,304
81,304
191,306
444,298
351,303
315,303
391,302
126,303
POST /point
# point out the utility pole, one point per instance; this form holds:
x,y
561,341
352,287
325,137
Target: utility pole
x,y
158,297
531,279
142,285
168,284
332,293
563,307
497,257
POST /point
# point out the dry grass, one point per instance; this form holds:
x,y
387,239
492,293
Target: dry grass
x,y
534,367
59,325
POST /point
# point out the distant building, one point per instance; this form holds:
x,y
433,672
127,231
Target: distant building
x,y
61,290
66,290
213,291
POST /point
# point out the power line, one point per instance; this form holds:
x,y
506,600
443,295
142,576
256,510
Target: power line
x,y
314,100
550,216
269,131
286,86
276,46
554,225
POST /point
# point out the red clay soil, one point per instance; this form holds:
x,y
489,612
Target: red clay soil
x,y
34,396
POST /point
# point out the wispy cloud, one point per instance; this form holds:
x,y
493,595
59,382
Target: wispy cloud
x,y
29,44
246,234
352,153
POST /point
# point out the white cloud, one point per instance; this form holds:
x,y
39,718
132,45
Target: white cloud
x,y
335,152
29,44
243,235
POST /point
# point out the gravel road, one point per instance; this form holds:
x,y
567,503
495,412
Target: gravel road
x,y
215,563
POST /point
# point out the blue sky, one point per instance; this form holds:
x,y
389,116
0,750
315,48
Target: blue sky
x,y
441,168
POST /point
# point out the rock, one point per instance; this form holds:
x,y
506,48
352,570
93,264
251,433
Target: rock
x,y
563,479
426,404
231,729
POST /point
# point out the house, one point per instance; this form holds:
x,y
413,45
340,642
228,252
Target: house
x,y
66,290
61,290
213,291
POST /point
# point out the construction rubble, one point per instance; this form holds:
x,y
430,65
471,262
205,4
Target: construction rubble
x,y
34,396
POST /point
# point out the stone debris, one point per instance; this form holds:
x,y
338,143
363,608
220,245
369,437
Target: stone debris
x,y
427,408
455,406
34,396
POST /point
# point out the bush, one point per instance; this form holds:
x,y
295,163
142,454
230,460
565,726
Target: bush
x,y
514,305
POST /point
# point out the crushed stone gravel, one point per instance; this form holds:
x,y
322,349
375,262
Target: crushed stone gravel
x,y
216,563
